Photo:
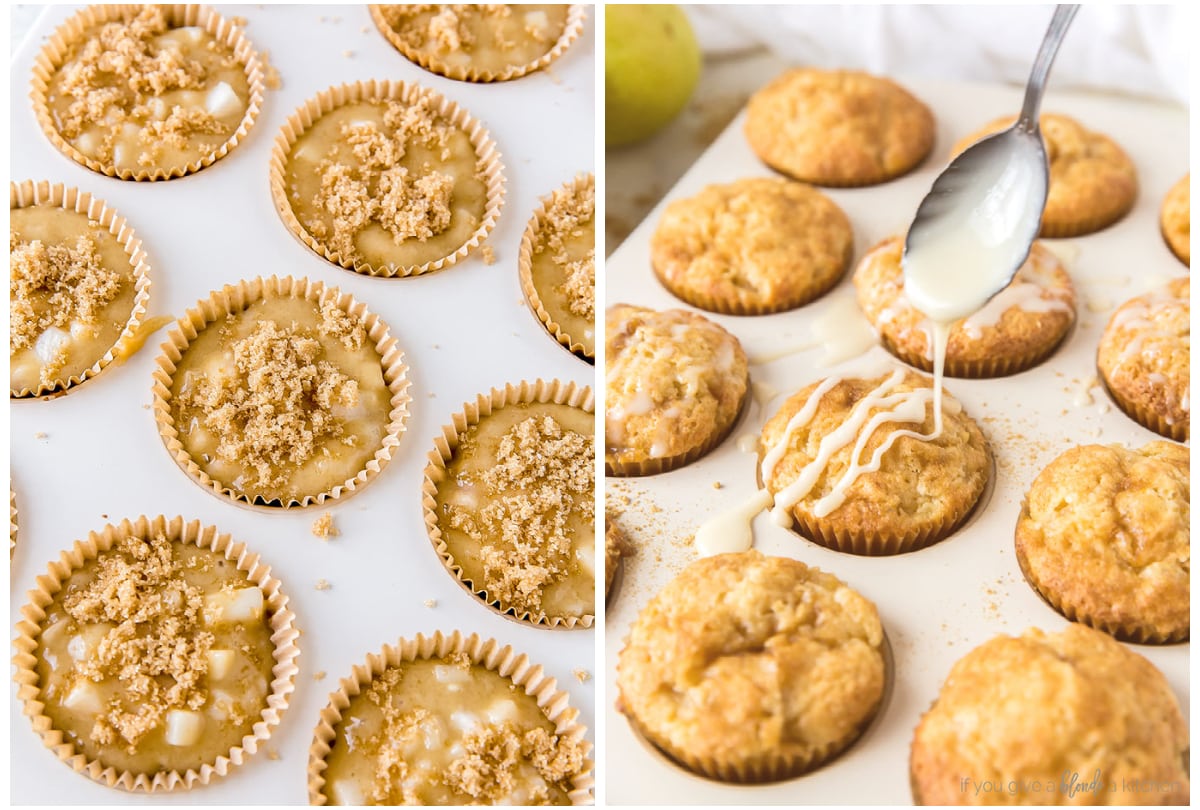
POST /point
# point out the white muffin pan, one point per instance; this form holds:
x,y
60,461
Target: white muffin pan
x,y
938,603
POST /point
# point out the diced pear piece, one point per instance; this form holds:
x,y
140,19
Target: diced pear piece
x,y
84,698
345,792
536,20
502,711
464,721
50,344
243,605
220,663
220,705
184,727
451,674
586,557
84,644
222,101
56,632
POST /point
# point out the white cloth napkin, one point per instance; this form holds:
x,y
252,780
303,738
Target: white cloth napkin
x,y
1136,49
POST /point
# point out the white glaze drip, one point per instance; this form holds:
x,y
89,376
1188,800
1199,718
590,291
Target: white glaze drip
x,y
730,531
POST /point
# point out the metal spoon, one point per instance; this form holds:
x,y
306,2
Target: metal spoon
x,y
974,229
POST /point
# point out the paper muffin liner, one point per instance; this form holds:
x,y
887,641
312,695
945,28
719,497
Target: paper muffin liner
x,y
283,636
1151,420
571,31
999,365
743,305
1122,631
236,298
881,544
29,193
525,273
653,466
436,472
55,52
487,160
12,522
486,653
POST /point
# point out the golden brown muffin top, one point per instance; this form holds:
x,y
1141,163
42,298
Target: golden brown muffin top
x,y
674,379
1093,182
1145,351
1030,314
1106,531
919,483
838,127
1176,219
758,244
1045,705
745,657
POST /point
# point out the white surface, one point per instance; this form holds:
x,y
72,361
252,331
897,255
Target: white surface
x,y
464,330
938,603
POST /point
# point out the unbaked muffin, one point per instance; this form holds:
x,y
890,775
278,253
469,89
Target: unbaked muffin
x,y
78,286
1093,183
557,265
845,469
1175,219
1104,536
675,383
838,127
751,247
1145,359
280,392
748,668
480,43
449,721
156,654
386,178
1017,329
1044,713
509,501
147,92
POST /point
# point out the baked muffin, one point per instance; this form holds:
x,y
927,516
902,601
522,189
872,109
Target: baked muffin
x,y
1104,536
147,92
1145,357
78,288
1045,714
838,127
386,178
1093,182
1015,330
557,265
848,468
509,501
281,393
747,668
156,654
449,721
751,247
616,546
1175,219
480,43
674,385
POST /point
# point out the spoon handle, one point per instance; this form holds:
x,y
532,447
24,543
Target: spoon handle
x,y
1063,14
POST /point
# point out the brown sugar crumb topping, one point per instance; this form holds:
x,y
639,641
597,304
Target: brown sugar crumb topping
x,y
374,189
323,527
570,213
449,31
71,281
543,475
116,76
494,759
491,766
156,650
278,406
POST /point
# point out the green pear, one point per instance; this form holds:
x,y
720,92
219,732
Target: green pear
x,y
651,65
